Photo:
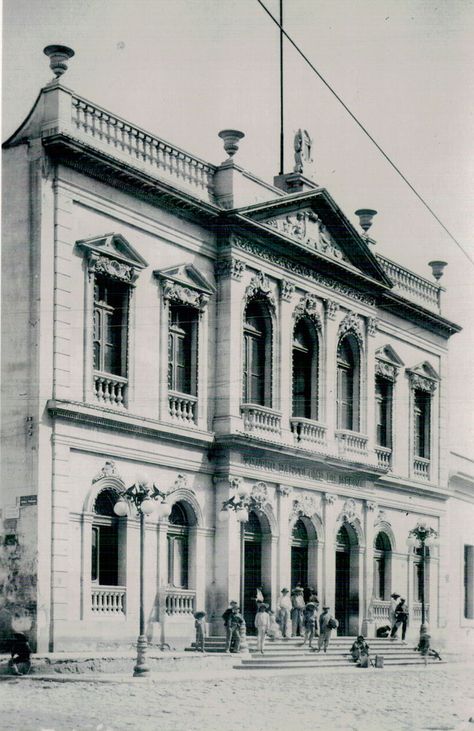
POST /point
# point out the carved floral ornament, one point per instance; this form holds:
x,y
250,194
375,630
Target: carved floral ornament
x,y
331,308
286,290
233,268
389,371
329,498
348,513
422,383
260,287
370,505
100,264
308,307
307,228
352,323
109,469
260,494
372,324
174,292
285,490
305,505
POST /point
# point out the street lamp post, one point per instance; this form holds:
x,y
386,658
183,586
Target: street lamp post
x,y
145,498
423,536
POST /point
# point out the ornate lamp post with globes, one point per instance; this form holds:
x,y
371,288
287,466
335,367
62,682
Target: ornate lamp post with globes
x,y
422,536
146,499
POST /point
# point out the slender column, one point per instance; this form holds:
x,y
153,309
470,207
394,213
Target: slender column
x,y
202,369
227,556
330,370
199,568
284,550
164,328
285,361
368,570
367,420
313,562
329,577
86,566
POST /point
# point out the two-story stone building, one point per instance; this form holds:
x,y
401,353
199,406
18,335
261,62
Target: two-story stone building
x,y
226,336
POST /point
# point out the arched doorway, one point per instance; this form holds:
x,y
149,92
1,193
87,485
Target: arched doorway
x,y
178,547
347,578
252,567
299,554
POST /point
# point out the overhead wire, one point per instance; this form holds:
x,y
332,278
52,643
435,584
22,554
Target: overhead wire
x,y
365,131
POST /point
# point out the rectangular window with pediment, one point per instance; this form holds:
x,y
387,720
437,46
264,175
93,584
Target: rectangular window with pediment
x,y
182,349
383,412
110,326
422,423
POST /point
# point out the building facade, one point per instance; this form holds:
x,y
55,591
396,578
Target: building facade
x,y
226,337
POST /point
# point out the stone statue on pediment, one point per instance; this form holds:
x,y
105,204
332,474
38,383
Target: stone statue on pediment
x,y
303,145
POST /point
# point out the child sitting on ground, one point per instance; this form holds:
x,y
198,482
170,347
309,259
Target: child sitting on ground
x,y
200,627
20,654
359,649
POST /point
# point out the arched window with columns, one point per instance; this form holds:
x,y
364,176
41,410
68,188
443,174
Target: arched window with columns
x,y
348,383
178,547
257,354
305,370
105,540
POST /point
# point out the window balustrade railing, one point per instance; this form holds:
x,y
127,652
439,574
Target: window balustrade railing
x,y
308,433
140,147
261,419
351,444
412,286
182,408
421,468
180,601
110,390
108,599
384,457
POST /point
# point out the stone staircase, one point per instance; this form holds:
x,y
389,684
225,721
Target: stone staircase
x,y
289,654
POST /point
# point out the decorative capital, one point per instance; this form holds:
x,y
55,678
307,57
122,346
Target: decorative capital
x,y
233,268
285,490
331,308
287,289
174,292
108,470
370,505
372,324
329,498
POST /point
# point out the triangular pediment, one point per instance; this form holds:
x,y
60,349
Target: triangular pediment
x,y
388,354
425,370
187,275
114,246
314,221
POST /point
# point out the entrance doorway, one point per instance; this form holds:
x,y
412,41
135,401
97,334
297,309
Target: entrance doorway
x,y
347,576
252,568
299,555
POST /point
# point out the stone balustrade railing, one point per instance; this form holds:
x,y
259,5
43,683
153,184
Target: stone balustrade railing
x,y
108,599
421,468
416,612
381,611
182,408
384,457
308,433
110,390
351,444
412,286
261,419
140,148
180,601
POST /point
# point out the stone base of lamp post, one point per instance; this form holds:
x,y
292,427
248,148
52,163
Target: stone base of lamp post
x,y
141,668
244,648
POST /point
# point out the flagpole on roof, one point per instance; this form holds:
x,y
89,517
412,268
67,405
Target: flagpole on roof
x,y
281,92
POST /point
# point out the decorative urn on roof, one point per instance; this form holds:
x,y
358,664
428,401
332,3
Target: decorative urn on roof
x,y
231,138
58,58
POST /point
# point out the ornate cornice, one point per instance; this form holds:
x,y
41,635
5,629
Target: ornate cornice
x,y
300,269
174,292
260,287
286,290
233,268
308,307
351,323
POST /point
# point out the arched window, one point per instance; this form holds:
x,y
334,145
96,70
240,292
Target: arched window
x,y
348,368
305,371
382,566
178,545
105,540
257,355
182,350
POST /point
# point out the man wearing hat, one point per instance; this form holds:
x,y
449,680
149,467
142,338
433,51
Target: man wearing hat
x,y
228,632
326,624
297,612
284,612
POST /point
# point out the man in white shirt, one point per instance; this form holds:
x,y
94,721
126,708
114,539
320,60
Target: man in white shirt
x,y
284,612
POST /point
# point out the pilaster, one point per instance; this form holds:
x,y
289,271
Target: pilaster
x,y
368,569
86,564
330,518
284,551
285,362
329,361
227,554
367,424
60,530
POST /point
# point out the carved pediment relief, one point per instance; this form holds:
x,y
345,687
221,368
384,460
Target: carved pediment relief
x,y
185,284
307,228
387,363
423,377
112,255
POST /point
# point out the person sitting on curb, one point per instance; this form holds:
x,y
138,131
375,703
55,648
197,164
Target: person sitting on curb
x,y
359,648
20,655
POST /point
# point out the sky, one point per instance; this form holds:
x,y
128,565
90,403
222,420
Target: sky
x,y
185,69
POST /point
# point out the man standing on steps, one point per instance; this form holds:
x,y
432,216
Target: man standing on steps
x,y
284,612
326,624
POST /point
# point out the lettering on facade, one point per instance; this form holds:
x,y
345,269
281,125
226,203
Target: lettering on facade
x,y
28,500
288,468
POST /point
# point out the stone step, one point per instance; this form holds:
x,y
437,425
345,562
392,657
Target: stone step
x,y
265,665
